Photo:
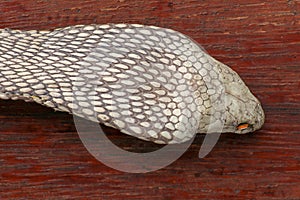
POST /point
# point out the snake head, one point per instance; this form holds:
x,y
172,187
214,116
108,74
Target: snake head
x,y
243,111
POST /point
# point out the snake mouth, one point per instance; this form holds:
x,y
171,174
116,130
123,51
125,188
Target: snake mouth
x,y
244,127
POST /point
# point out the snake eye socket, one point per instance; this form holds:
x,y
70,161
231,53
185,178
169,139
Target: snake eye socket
x,y
242,126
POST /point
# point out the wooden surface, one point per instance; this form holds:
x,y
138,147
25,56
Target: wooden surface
x,y
42,157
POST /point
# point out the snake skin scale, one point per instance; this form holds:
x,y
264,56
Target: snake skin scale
x,y
149,82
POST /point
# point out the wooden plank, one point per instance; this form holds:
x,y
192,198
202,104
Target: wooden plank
x,y
43,157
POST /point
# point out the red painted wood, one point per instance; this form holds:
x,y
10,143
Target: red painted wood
x,y
42,157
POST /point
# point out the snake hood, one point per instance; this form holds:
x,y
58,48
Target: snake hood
x,y
149,82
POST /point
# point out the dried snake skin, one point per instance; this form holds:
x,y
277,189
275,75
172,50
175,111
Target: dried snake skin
x,y
149,82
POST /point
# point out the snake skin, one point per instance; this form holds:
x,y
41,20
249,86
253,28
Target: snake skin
x,y
149,82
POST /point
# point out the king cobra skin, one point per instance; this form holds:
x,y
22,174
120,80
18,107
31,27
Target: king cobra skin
x,y
153,83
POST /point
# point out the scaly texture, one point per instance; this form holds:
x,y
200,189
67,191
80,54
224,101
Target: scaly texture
x,y
149,82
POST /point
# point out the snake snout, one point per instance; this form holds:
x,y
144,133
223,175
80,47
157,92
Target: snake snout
x,y
254,119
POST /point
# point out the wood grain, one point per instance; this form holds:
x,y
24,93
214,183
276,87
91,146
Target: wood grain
x,y
42,157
